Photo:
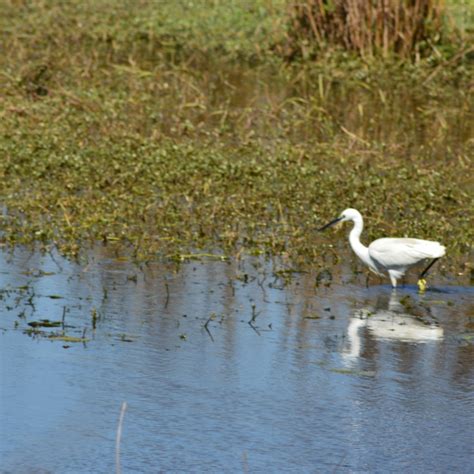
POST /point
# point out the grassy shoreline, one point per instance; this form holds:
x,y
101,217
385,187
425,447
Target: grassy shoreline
x,y
109,136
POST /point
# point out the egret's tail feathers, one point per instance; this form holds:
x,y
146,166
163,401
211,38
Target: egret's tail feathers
x,y
441,251
430,249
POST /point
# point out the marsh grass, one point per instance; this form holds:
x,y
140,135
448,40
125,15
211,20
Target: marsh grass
x,y
369,28
114,128
409,29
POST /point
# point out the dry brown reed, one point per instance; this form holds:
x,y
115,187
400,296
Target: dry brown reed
x,y
368,27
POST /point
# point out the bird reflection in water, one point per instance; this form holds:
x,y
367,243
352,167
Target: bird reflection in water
x,y
391,320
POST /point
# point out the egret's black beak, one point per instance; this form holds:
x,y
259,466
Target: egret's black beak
x,y
329,224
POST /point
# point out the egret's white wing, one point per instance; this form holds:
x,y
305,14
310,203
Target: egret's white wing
x,y
403,252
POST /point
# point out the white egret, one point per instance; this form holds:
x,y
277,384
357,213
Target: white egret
x,y
392,255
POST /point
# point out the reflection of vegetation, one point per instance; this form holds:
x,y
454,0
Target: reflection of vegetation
x,y
66,338
126,122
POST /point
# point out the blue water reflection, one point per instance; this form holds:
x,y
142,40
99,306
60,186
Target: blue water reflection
x,y
315,385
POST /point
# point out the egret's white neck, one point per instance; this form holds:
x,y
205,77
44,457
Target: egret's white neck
x,y
354,239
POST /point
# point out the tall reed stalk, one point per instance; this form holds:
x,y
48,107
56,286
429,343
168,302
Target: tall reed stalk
x,y
368,27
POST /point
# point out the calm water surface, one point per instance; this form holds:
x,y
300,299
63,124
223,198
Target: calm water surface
x,y
338,378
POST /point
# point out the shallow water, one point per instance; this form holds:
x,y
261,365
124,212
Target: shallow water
x,y
289,376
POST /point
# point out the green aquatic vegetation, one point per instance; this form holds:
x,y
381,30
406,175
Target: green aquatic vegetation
x,y
197,256
66,338
180,196
95,316
45,323
111,131
34,332
38,273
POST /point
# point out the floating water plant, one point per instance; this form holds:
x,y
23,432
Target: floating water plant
x,y
67,338
45,323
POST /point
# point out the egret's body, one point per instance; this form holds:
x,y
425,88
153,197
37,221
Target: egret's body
x,y
392,255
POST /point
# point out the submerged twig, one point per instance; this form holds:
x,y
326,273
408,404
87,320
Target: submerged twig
x,y
250,323
260,284
53,258
167,300
253,318
211,317
254,313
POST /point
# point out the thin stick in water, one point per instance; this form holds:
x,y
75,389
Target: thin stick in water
x,y
211,317
118,437
167,294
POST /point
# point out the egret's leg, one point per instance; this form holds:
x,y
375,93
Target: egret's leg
x,y
367,280
421,280
425,271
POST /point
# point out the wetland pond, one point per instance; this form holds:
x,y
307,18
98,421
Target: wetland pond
x,y
112,132
230,366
